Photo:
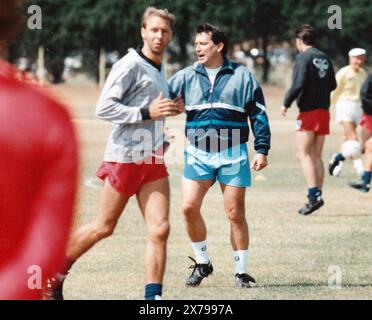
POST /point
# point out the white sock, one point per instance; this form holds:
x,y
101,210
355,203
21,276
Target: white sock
x,y
241,261
201,253
359,166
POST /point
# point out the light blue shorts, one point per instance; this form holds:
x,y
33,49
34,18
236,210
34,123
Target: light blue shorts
x,y
230,167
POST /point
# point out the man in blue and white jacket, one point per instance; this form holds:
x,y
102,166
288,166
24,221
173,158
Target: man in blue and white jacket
x,y
219,96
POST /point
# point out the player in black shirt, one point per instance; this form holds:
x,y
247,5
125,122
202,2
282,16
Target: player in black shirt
x,y
313,81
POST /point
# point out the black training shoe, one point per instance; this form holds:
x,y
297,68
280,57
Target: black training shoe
x,y
311,206
243,280
335,166
200,271
360,185
54,289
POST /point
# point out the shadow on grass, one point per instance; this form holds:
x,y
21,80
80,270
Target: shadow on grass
x,y
299,286
347,215
313,285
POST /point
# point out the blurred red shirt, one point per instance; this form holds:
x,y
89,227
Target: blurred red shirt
x,y
38,175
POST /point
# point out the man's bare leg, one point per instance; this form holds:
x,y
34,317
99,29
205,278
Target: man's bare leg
x,y
308,147
365,137
365,183
193,193
304,145
316,155
153,199
368,154
111,207
350,130
234,200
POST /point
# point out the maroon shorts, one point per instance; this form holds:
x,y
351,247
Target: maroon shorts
x,y
366,122
317,121
128,178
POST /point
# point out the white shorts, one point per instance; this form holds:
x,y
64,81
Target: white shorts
x,y
349,111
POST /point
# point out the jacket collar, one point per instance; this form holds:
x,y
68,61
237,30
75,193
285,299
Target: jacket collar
x,y
148,60
227,67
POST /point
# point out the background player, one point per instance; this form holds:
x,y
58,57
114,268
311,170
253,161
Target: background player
x,y
346,99
313,82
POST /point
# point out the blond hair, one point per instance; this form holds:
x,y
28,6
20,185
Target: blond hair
x,y
162,13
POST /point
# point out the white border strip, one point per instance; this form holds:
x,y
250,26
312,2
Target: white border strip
x,y
215,105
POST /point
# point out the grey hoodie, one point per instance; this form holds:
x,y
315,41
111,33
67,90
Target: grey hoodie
x,y
132,85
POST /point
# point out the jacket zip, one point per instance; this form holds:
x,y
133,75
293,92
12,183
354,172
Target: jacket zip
x,y
211,91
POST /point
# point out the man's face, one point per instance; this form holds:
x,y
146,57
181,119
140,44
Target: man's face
x,y
157,34
357,62
206,51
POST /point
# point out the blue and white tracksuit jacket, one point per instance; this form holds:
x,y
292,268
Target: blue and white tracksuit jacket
x,y
221,111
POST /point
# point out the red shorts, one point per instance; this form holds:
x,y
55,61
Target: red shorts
x,y
128,178
317,121
366,122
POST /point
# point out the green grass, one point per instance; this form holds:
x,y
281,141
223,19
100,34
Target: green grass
x,y
290,255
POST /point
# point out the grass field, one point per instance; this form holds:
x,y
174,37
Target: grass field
x,y
291,256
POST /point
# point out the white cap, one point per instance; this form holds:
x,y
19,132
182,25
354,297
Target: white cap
x,y
357,52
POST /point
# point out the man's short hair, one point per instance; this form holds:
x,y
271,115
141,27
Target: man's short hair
x,y
307,34
11,19
162,13
217,35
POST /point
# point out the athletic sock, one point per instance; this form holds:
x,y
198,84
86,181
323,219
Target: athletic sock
x,y
367,177
241,261
358,166
201,253
153,290
340,157
314,193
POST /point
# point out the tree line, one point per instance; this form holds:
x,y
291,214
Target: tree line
x,y
90,25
